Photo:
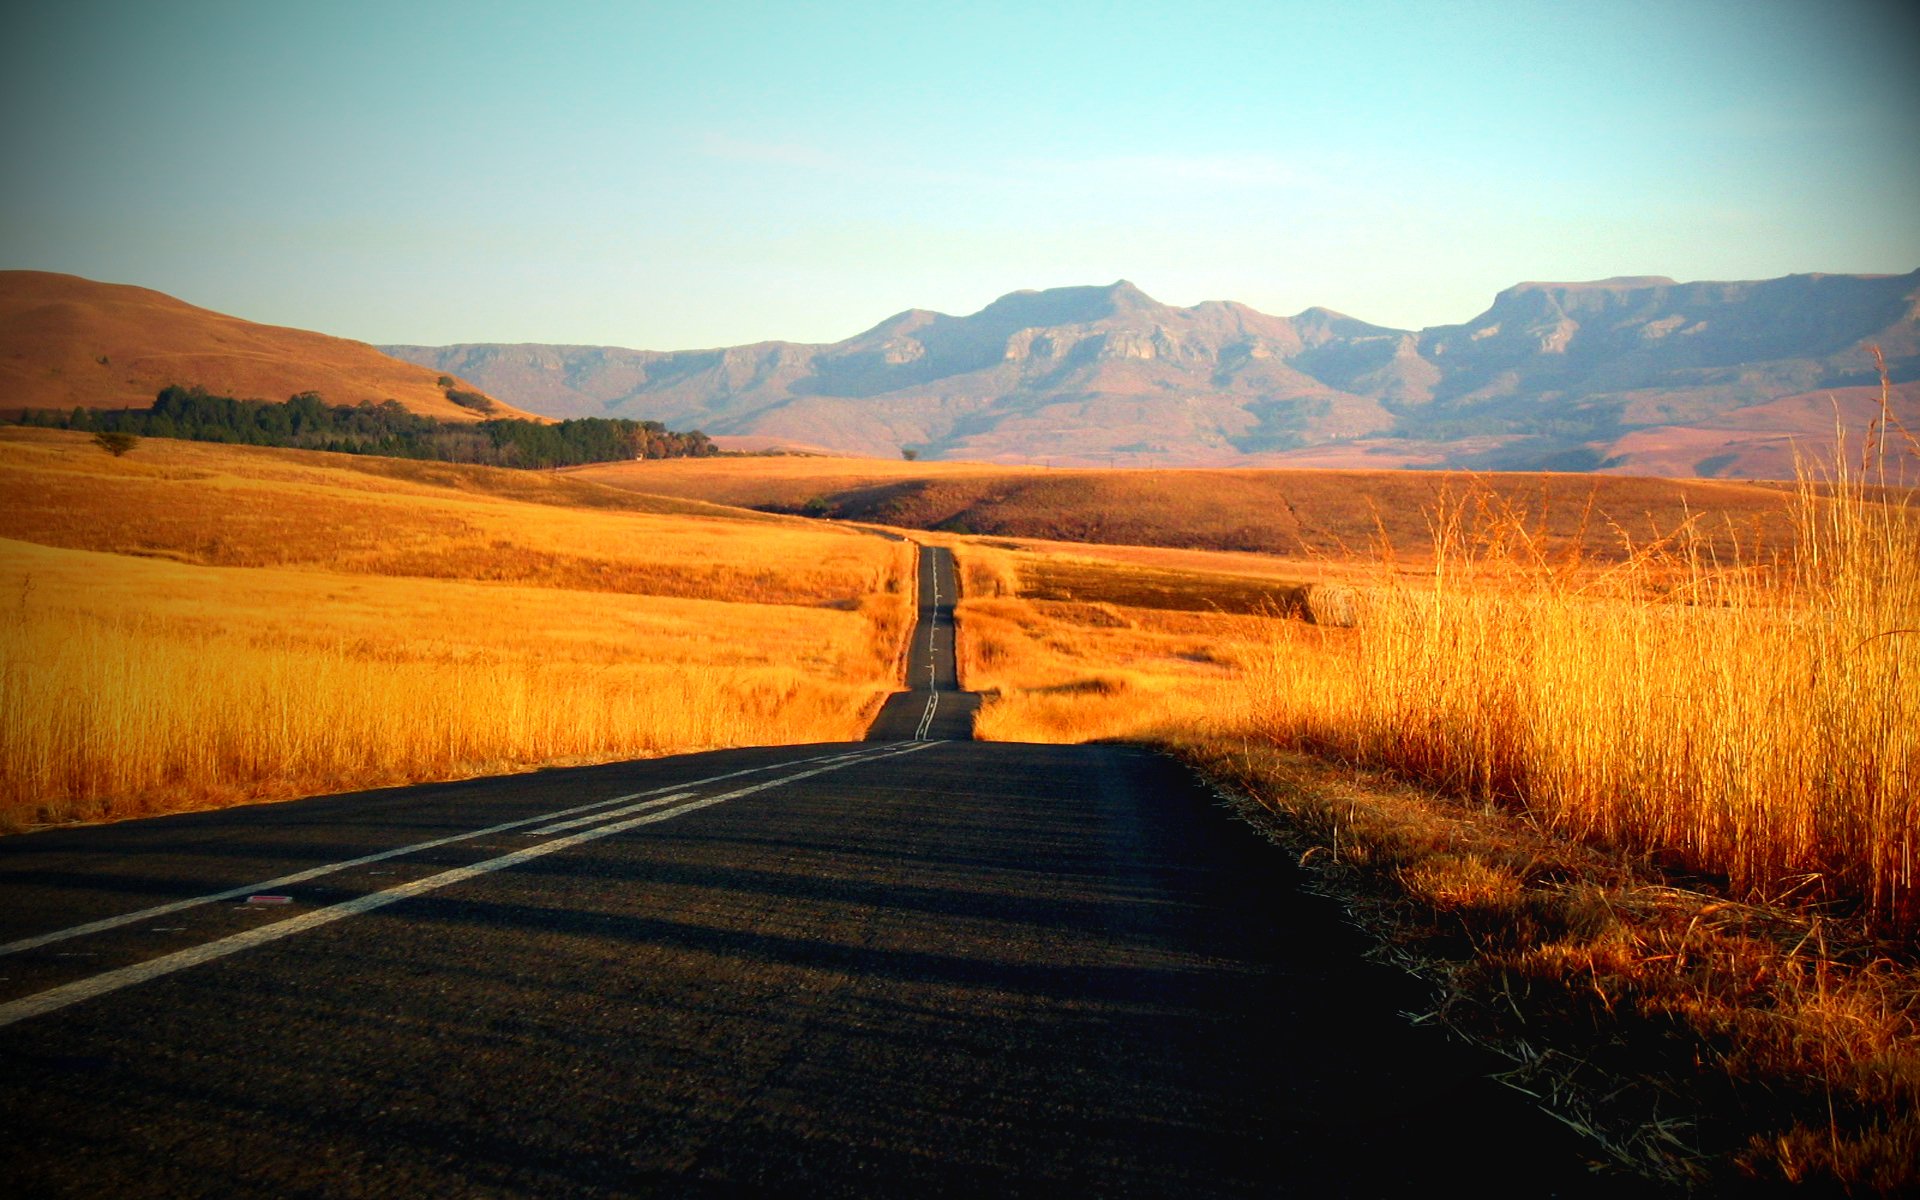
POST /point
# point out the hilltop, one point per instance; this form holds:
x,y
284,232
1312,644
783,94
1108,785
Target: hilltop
x,y
1635,374
68,342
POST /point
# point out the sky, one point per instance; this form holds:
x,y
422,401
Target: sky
x,y
671,176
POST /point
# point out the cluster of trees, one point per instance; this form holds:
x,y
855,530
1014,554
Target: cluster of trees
x,y
310,423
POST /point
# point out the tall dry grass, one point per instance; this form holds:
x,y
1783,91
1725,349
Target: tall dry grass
x,y
1081,670
1745,722
197,625
1752,716
1743,711
107,717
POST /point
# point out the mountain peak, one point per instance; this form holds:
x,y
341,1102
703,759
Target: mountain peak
x,y
899,324
1068,305
1616,283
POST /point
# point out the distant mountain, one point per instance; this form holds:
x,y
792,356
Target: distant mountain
x,y
67,342
1632,374
1072,372
1638,374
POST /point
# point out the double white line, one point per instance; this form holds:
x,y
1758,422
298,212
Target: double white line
x,y
933,662
112,981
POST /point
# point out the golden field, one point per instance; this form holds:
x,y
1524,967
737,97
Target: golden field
x,y
1746,711
1069,646
1644,812
1749,719
1739,736
195,624
1325,516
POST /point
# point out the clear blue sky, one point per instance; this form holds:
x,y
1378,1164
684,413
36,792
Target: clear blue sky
x,y
679,175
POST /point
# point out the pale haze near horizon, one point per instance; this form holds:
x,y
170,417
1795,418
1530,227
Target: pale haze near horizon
x,y
648,176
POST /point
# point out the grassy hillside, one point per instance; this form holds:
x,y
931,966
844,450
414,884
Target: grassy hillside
x,y
784,481
196,624
67,342
1294,514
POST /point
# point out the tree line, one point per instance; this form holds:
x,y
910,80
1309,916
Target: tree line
x,y
308,422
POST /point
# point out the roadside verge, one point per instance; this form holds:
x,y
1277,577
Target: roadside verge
x,y
1702,1042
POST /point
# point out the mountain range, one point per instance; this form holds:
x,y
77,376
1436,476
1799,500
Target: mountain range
x,y
1635,374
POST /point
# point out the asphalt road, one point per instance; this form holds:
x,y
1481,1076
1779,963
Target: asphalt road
x,y
934,707
900,967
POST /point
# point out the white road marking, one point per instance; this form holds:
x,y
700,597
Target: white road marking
x,y
58,998
933,651
608,815
161,910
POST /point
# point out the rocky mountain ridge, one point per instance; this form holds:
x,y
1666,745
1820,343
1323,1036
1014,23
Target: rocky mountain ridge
x,y
1634,373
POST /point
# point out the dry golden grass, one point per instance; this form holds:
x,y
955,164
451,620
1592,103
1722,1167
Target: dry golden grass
x,y
1702,1041
1744,726
1119,659
225,506
1751,720
785,481
201,624
1317,516
1647,818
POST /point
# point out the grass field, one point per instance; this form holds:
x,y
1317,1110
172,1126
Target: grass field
x,y
196,624
1068,645
1752,719
1742,730
1323,516
1661,838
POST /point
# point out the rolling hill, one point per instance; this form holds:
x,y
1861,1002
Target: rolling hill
x,y
67,342
1638,374
1322,517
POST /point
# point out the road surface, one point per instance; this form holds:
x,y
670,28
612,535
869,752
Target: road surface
x,y
934,707
911,966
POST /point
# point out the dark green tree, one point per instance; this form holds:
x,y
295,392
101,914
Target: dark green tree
x,y
115,444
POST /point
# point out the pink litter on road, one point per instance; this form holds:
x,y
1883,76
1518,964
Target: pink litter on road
x,y
269,899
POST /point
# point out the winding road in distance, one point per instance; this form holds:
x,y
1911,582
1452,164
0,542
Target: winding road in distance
x,y
916,965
